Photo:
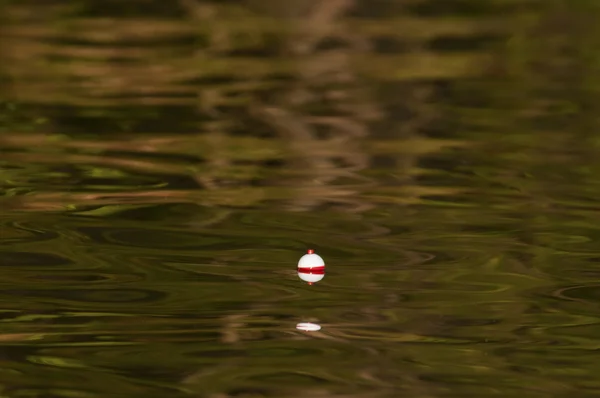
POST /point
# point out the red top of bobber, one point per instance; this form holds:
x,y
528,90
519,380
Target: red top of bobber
x,y
311,251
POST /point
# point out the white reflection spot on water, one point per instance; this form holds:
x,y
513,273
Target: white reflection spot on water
x,y
308,327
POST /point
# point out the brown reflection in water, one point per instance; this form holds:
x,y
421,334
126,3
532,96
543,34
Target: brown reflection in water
x,y
112,65
105,68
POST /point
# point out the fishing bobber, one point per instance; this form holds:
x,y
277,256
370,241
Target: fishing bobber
x,y
311,267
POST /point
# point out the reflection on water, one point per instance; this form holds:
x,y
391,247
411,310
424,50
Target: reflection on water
x,y
164,165
308,327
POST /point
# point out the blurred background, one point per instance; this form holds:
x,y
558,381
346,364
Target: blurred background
x,y
164,165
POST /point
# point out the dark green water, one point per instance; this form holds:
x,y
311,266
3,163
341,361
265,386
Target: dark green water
x,y
164,165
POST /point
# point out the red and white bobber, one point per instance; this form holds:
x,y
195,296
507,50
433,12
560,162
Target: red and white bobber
x,y
311,267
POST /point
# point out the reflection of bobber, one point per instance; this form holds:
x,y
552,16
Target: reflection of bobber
x,y
308,327
311,267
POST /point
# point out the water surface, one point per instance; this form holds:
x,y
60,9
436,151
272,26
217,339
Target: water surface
x,y
163,166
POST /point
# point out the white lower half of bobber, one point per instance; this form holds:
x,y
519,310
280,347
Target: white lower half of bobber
x,y
311,277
